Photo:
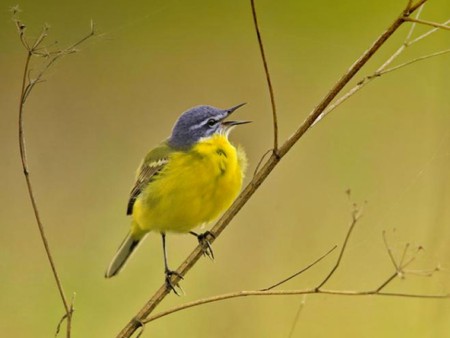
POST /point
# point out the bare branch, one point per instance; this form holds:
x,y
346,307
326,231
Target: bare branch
x,y
240,294
23,156
413,26
27,86
301,271
405,250
383,68
297,316
421,58
261,161
269,82
426,34
356,215
317,290
428,23
387,282
389,251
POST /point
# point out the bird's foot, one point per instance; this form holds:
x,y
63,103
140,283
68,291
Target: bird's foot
x,y
170,285
205,243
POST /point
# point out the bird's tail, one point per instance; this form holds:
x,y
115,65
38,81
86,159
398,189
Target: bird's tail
x,y
124,252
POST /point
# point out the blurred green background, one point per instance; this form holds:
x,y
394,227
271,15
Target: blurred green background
x,y
99,111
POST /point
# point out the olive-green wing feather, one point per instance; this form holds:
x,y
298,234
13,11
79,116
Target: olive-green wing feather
x,y
152,164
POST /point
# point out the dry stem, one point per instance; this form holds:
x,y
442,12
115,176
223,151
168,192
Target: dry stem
x,y
428,23
356,215
383,68
269,82
27,86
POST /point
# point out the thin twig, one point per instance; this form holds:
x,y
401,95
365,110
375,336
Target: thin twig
x,y
369,78
239,294
58,327
269,82
426,34
413,26
27,86
356,215
23,157
405,250
421,58
297,316
388,281
261,161
373,76
428,23
264,172
301,271
57,55
317,290
389,251
383,68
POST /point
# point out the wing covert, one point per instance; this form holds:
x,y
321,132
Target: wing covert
x,y
153,163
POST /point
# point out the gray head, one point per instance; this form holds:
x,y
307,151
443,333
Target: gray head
x,y
200,122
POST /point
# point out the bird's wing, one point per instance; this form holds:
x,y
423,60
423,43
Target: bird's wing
x,y
152,164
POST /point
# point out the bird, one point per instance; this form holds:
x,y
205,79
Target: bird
x,y
188,180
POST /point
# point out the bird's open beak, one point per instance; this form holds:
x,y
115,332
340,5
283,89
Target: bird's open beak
x,y
232,109
228,125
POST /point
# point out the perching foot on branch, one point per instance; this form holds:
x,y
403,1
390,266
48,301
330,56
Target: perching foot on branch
x,y
204,242
169,284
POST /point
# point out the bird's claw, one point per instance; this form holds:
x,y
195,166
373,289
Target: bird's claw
x,y
173,286
206,245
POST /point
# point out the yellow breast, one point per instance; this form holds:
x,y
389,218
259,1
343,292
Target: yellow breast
x,y
195,187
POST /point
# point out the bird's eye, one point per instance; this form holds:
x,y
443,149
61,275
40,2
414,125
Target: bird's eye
x,y
211,122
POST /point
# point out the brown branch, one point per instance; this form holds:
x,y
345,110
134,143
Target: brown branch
x,y
262,174
301,271
388,281
27,86
411,8
23,157
383,68
269,82
398,271
240,294
261,161
356,215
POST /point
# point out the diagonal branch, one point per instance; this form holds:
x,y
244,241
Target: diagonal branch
x,y
301,271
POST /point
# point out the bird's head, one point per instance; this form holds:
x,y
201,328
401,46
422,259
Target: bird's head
x,y
200,122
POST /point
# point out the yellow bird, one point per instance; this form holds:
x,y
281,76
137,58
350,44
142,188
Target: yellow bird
x,y
186,181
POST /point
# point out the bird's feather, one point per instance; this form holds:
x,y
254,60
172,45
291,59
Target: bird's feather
x,y
152,164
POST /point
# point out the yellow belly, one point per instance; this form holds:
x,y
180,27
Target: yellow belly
x,y
194,188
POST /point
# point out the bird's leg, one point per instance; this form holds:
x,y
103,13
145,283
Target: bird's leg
x,y
169,284
204,242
